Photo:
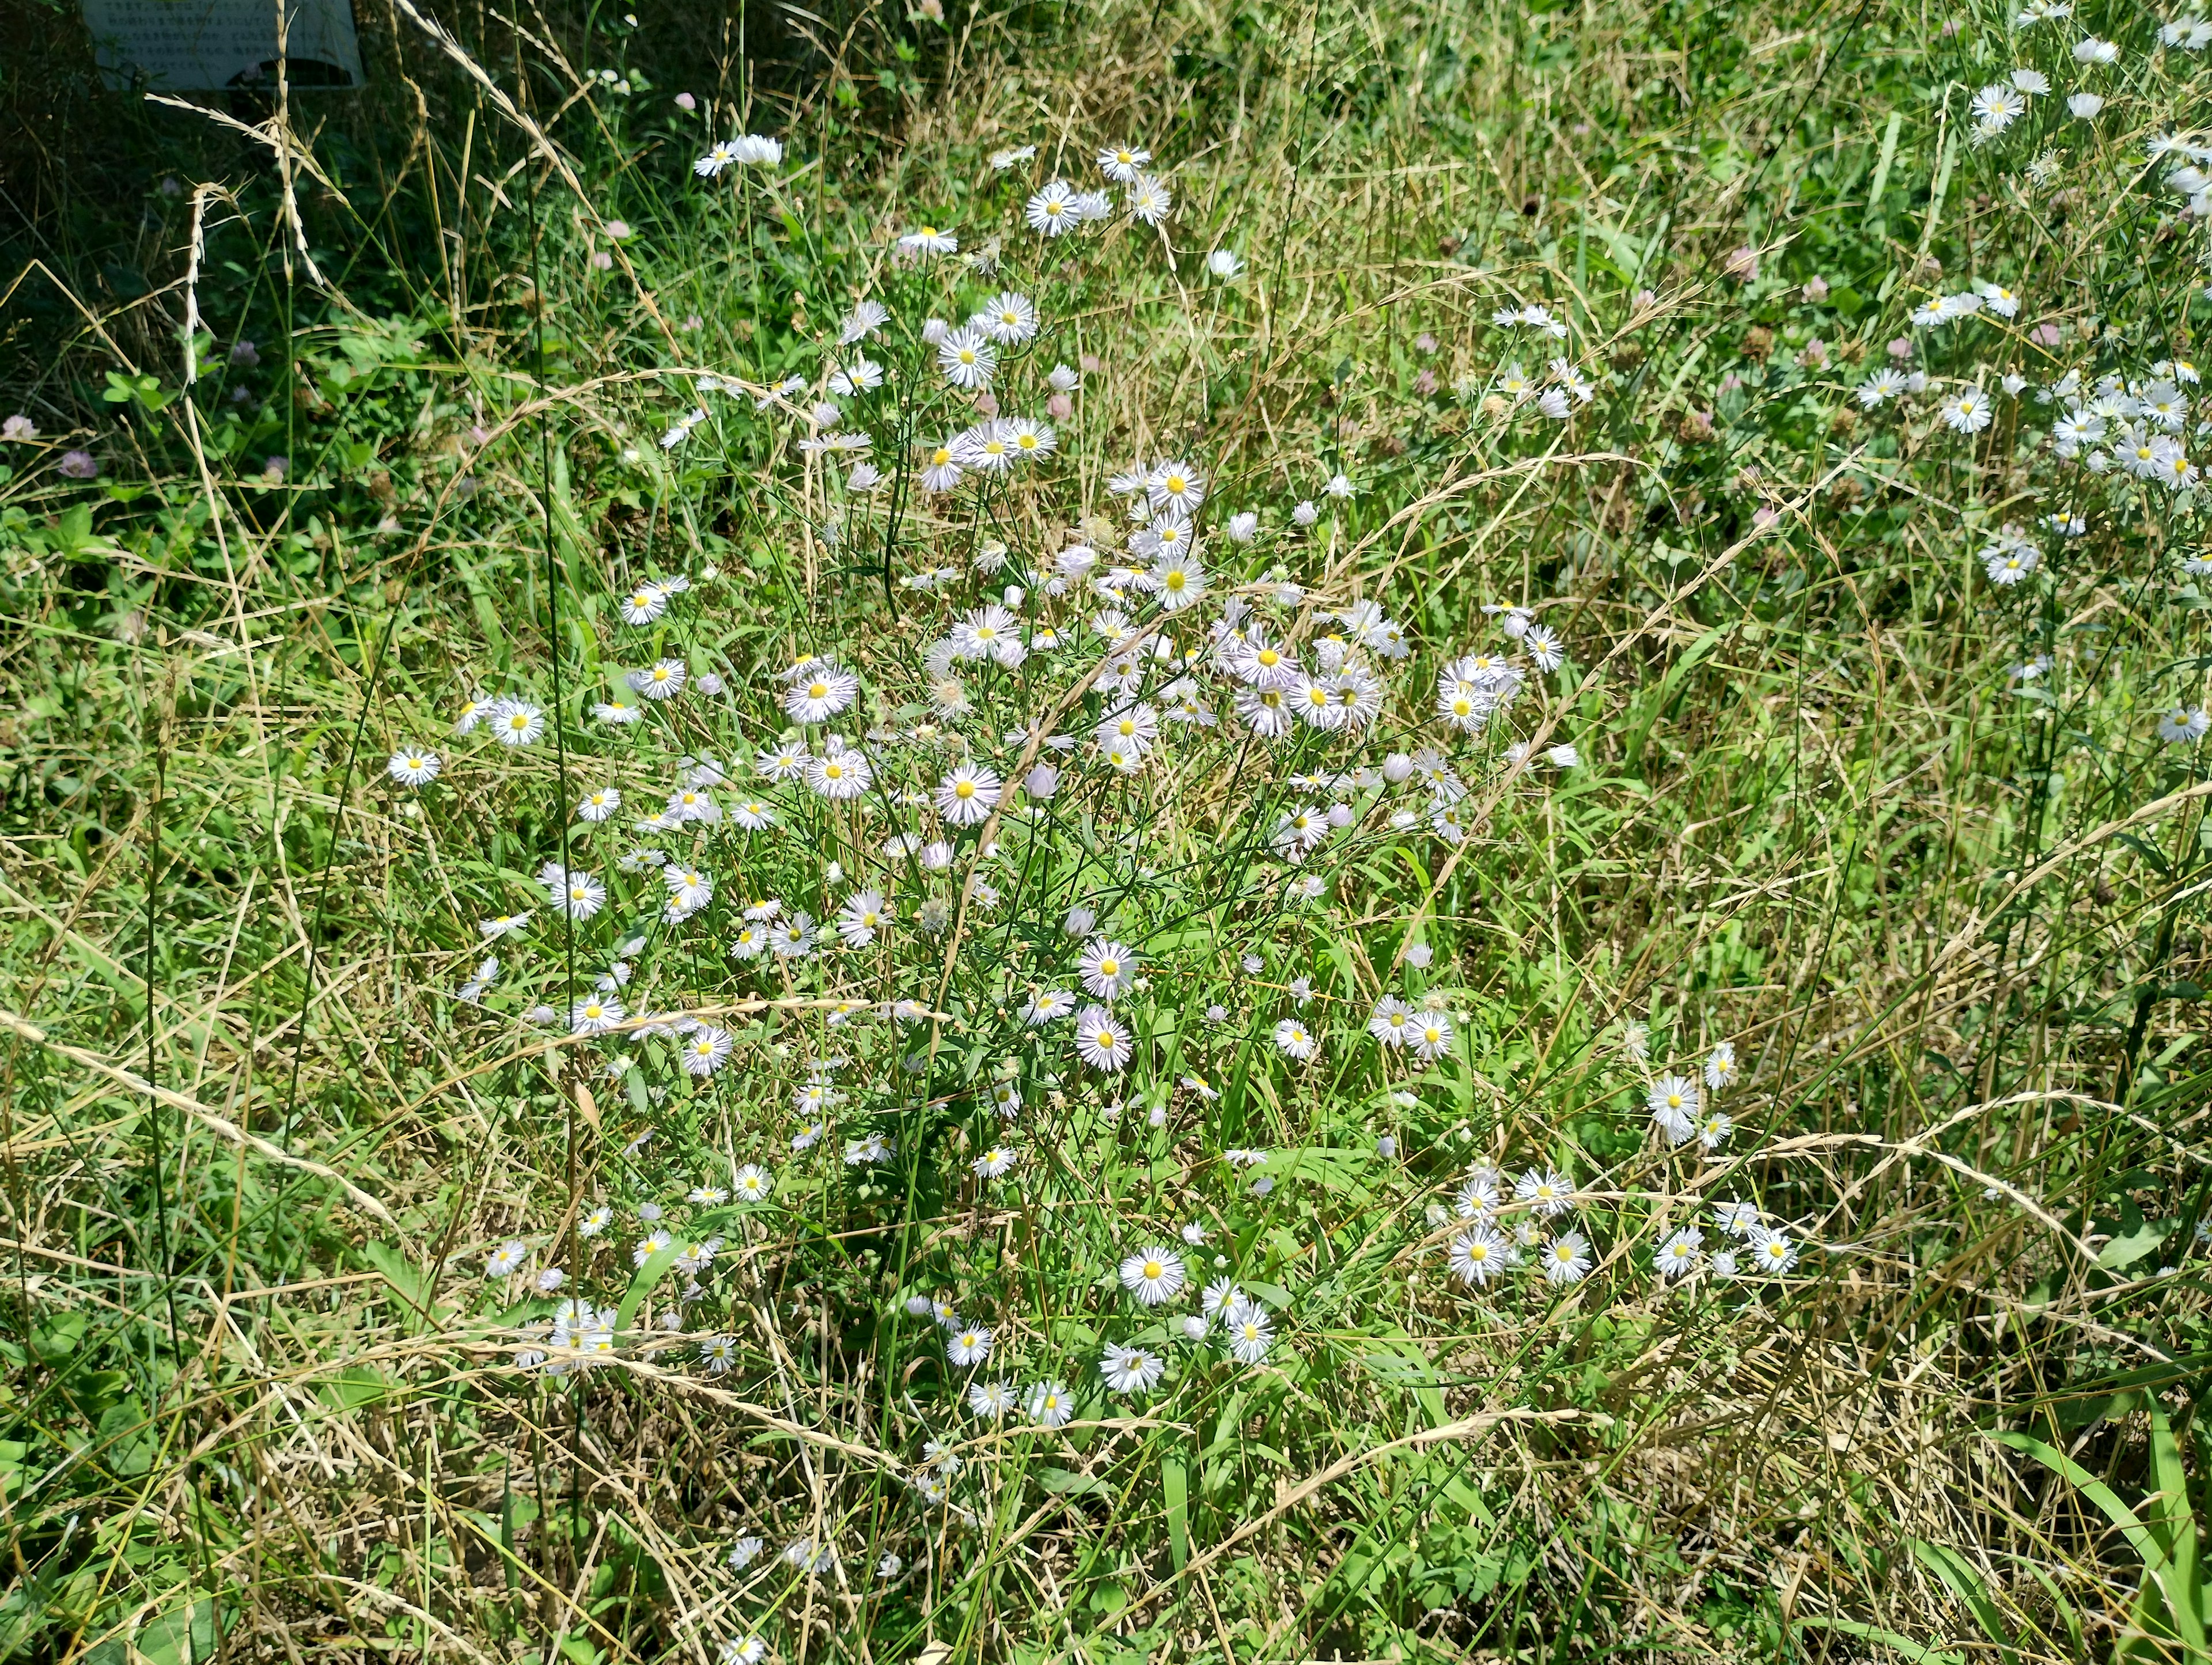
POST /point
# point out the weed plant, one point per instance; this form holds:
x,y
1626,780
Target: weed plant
x,y
1238,833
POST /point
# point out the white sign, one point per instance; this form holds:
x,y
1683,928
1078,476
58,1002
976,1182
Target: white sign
x,y
172,45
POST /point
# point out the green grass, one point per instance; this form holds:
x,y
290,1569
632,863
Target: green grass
x,y
261,1397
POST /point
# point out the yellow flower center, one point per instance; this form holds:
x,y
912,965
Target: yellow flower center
x,y
1110,968
965,789
1153,1269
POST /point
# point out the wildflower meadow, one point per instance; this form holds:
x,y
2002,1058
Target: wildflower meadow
x,y
1146,832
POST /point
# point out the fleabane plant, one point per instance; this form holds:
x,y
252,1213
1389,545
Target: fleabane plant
x,y
1168,863
1027,944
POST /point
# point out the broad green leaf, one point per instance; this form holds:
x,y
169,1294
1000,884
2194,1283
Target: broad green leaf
x,y
355,1386
2125,1251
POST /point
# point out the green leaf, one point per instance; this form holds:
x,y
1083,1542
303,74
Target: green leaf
x,y
1959,1576
1398,1360
2175,1520
2147,851
2069,1615
1905,1647
2153,1600
2125,1251
56,1340
1067,1481
654,1269
1333,1171
182,1637
355,1386
1175,1490
1649,708
2146,1545
406,1280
